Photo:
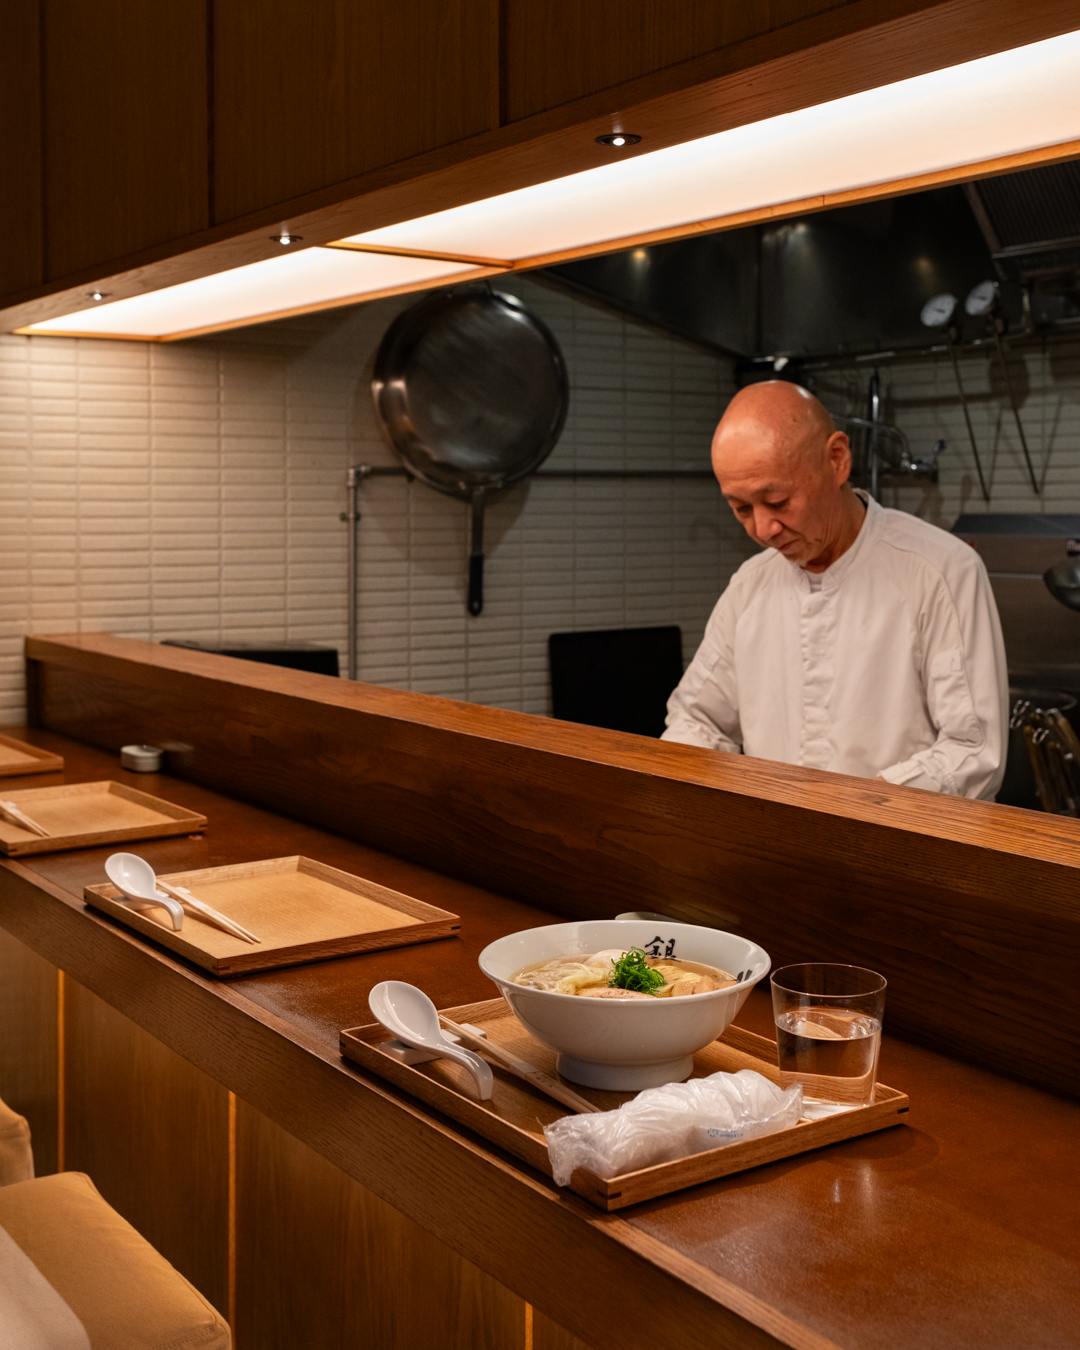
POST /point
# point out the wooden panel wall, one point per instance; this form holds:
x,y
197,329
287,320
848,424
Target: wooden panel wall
x,y
309,95
324,1262
594,46
29,1064
126,135
152,1131
319,1260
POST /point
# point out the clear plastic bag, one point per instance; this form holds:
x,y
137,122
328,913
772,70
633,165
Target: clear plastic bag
x,y
669,1122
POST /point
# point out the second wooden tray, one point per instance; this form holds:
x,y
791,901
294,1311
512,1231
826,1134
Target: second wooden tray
x,y
84,815
18,757
301,910
515,1115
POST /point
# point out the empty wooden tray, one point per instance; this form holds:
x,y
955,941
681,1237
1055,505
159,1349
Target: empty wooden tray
x,y
18,757
84,815
514,1116
299,909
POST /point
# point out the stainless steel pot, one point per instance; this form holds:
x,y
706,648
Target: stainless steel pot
x,y
471,391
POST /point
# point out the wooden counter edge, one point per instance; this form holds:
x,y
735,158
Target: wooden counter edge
x,y
550,1248
956,820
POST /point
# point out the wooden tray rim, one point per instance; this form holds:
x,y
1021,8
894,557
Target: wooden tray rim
x,y
434,922
177,819
45,761
889,1108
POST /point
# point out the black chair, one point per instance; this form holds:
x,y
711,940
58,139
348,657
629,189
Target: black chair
x,y
619,677
294,655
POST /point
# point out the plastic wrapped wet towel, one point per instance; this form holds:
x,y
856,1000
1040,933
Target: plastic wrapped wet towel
x,y
669,1122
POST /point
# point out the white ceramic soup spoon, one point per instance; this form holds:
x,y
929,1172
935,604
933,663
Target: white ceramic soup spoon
x,y
409,1015
133,887
139,877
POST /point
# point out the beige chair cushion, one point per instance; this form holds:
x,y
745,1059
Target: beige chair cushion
x,y
125,1294
33,1316
16,1160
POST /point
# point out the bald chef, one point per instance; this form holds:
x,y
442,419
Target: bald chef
x,y
863,640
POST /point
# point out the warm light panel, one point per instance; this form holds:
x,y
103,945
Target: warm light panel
x,y
1000,105
310,277
1007,104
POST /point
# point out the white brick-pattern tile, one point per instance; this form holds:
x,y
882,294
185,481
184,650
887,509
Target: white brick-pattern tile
x,y
193,490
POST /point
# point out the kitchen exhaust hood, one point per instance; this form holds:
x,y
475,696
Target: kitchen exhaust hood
x,y
1011,103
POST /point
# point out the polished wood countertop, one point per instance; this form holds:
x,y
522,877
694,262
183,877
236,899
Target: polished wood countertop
x,y
956,1232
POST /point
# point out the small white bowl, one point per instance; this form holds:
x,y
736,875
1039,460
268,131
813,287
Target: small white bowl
x,y
625,1045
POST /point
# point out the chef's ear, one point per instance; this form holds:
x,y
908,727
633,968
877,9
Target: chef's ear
x,y
838,448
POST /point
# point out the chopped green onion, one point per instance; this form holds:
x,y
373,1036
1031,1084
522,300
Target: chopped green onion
x,y
632,971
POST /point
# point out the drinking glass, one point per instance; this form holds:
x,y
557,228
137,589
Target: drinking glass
x,y
828,1031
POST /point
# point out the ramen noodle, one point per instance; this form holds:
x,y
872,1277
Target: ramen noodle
x,y
598,976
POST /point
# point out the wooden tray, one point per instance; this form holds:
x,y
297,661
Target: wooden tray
x,y
302,910
516,1113
18,757
83,815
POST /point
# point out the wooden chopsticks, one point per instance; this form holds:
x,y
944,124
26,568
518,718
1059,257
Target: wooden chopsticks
x,y
539,1079
201,910
11,813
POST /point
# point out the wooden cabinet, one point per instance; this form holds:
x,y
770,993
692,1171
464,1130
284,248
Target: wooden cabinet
x,y
146,143
587,48
306,96
20,146
124,99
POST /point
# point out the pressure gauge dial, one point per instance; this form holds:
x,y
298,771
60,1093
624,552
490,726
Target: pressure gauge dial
x,y
937,311
982,298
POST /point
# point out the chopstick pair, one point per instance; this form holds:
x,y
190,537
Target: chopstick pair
x,y
539,1079
11,813
204,911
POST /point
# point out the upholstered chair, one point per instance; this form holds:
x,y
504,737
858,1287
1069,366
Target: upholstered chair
x,y
74,1275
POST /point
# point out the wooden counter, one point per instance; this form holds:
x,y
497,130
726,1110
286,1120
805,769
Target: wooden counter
x,y
220,1117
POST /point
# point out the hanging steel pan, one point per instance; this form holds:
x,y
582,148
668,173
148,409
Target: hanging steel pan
x,y
471,390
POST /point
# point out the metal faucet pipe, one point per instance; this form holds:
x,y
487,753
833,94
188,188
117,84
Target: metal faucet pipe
x,y
353,478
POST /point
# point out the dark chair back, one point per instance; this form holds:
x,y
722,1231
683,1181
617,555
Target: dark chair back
x,y
618,677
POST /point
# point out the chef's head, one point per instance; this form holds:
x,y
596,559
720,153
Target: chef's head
x,y
783,468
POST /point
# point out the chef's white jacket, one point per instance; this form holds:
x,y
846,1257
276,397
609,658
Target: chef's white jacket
x,y
894,667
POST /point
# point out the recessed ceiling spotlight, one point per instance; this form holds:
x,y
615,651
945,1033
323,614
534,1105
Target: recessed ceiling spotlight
x,y
285,238
98,295
618,138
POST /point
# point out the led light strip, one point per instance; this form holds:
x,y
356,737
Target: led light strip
x,y
999,112
294,283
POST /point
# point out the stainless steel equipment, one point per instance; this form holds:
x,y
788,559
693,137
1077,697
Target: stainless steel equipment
x,y
1063,582
879,450
1044,753
472,392
1042,638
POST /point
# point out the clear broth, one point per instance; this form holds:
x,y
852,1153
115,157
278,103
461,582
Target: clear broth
x,y
593,971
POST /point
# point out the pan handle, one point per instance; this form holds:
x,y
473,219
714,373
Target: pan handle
x,y
476,583
476,552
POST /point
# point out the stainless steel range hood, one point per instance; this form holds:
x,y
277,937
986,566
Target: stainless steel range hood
x,y
851,282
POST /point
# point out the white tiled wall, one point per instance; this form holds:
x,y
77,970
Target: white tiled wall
x,y
194,490
922,399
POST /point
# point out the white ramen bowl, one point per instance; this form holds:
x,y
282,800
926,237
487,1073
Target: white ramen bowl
x,y
625,1045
